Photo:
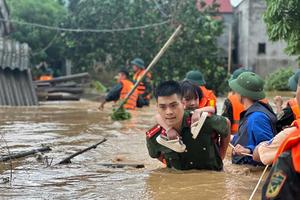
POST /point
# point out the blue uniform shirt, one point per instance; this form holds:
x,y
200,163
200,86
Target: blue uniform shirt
x,y
258,128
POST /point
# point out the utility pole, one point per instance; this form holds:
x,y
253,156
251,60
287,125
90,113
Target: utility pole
x,y
229,49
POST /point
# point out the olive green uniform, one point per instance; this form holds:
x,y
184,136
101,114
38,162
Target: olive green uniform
x,y
283,181
200,153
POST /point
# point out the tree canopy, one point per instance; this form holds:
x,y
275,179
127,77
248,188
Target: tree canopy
x,y
195,48
46,44
283,23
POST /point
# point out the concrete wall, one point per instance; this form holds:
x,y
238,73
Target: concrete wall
x,y
228,20
242,17
251,33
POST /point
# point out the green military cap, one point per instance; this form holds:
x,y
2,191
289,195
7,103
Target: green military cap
x,y
138,62
237,72
293,81
248,84
195,77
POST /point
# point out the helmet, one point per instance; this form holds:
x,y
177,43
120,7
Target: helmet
x,y
195,77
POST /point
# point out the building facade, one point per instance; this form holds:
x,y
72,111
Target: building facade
x,y
254,50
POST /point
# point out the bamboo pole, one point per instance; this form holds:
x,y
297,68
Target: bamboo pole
x,y
23,154
229,48
65,78
244,154
261,177
153,62
68,159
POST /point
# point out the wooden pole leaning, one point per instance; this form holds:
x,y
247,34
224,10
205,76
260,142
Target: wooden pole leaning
x,y
244,154
260,179
153,62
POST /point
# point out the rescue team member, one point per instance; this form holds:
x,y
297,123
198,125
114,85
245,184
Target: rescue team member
x,y
190,99
258,121
291,112
47,76
232,107
144,88
265,152
283,181
120,91
201,152
208,97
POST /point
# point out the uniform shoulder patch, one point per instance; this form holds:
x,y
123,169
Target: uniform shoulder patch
x,y
155,129
275,185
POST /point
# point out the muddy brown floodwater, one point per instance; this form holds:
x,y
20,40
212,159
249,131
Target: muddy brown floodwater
x,y
71,126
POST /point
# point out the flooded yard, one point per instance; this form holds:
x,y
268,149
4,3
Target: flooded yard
x,y
68,127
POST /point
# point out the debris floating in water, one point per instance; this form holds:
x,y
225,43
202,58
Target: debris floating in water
x,y
120,114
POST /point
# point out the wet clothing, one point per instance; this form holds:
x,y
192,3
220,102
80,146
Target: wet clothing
x,y
267,149
144,89
208,98
120,91
132,100
283,181
114,93
201,153
232,109
290,113
295,108
233,112
227,110
257,124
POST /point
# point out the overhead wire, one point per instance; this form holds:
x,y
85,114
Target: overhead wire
x,y
79,30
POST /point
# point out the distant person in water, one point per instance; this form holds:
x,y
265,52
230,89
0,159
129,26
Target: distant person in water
x,y
119,91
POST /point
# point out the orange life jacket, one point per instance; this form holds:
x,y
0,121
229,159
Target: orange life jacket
x,y
208,98
141,88
295,108
292,142
46,77
126,88
237,108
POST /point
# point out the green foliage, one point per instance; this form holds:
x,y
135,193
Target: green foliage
x,y
98,86
278,80
121,114
194,48
283,23
215,80
46,45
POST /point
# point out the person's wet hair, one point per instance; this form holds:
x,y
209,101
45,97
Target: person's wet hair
x,y
168,88
125,72
190,90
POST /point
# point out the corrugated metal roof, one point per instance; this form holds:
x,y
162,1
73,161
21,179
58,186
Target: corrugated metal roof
x,y
16,88
14,55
